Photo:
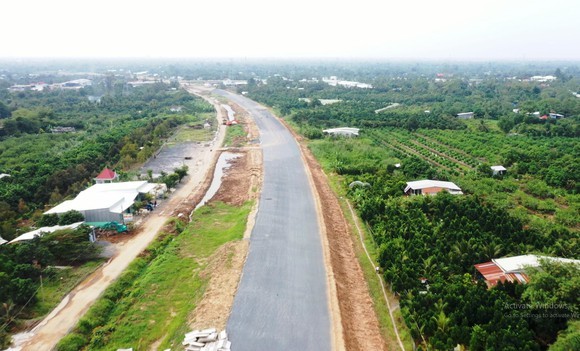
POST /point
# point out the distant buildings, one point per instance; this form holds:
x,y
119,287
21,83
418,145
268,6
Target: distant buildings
x,y
333,81
70,85
543,78
431,187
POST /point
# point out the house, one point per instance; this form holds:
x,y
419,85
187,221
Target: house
x,y
431,187
44,230
498,170
106,176
465,115
106,202
343,131
513,269
556,115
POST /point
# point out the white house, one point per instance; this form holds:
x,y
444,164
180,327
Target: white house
x,y
431,187
465,115
343,131
498,170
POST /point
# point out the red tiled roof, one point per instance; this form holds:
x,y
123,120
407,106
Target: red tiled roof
x,y
494,274
107,174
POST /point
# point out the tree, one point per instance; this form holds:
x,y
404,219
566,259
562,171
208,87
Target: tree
x,y
506,124
48,220
71,217
181,172
4,111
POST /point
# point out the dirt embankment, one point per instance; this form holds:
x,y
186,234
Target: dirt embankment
x,y
360,326
240,183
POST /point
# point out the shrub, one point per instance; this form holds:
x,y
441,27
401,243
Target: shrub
x,y
71,342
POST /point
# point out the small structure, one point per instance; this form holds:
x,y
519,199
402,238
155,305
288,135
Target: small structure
x,y
513,269
498,170
556,116
465,115
344,131
431,187
4,175
44,230
106,176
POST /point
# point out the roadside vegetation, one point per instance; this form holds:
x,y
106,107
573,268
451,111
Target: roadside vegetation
x,y
152,301
109,124
427,246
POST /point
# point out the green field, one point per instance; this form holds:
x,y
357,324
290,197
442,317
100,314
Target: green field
x,y
152,301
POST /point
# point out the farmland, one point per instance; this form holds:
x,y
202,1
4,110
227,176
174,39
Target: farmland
x,y
533,208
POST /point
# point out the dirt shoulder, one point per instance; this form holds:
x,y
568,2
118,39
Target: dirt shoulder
x,y
241,182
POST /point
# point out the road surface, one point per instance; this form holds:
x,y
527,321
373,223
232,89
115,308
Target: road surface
x,y
281,302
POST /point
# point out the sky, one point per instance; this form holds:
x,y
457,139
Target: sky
x,y
454,30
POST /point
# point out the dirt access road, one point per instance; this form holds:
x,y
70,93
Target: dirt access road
x,y
64,317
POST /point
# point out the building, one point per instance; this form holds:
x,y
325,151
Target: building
x,y
431,187
513,269
106,202
344,131
106,176
498,170
465,115
44,230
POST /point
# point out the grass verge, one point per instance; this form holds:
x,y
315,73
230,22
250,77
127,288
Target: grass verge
x,y
235,136
150,303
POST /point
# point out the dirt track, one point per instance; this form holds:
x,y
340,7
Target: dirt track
x,y
65,316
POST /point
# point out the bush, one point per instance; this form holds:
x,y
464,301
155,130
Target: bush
x,y
71,342
71,217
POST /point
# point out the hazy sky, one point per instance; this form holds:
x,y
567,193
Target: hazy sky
x,y
405,29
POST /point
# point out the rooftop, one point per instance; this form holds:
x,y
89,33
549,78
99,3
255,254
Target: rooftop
x,y
427,183
107,174
44,230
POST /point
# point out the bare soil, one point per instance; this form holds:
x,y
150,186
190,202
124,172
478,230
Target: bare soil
x,y
240,183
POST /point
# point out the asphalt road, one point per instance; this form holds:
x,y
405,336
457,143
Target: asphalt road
x,y
281,303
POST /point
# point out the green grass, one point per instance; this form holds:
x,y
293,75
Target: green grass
x,y
188,134
235,136
159,300
58,285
